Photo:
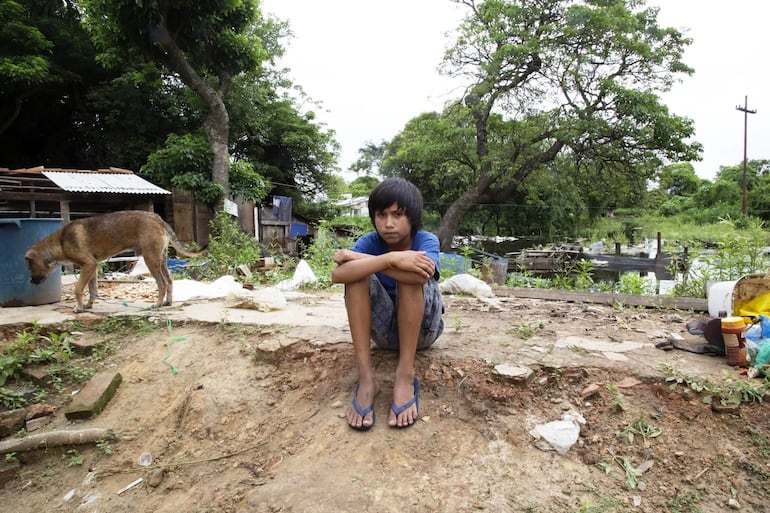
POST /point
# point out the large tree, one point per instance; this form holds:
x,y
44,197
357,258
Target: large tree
x,y
203,43
47,67
559,77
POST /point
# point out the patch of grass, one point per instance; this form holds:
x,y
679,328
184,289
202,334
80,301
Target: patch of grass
x,y
687,503
526,330
603,504
761,442
122,324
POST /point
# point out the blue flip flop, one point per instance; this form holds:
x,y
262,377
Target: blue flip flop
x,y
398,410
363,412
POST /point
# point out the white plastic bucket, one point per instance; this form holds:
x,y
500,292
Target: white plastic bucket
x,y
720,298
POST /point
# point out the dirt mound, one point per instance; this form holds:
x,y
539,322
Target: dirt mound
x,y
250,418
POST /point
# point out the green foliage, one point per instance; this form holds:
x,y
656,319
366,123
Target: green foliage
x,y
320,255
25,61
632,283
605,140
32,345
10,399
104,447
125,324
687,503
184,162
73,457
739,251
640,428
729,391
526,330
228,248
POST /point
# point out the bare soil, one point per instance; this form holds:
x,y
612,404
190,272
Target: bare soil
x,y
249,418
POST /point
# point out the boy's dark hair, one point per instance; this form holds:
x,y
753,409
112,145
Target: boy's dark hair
x,y
404,194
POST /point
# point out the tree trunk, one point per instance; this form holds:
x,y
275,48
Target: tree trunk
x,y
216,127
217,122
453,216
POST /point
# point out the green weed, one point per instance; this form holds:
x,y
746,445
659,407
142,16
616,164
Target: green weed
x,y
73,457
617,401
526,330
104,447
640,428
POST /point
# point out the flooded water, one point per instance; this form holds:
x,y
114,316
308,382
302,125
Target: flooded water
x,y
482,248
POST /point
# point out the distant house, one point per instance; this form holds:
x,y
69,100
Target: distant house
x,y
350,206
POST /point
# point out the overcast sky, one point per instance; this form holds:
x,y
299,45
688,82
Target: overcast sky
x,y
372,65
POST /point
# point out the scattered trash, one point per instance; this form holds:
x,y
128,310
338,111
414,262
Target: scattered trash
x,y
558,435
145,459
129,486
466,284
264,300
302,274
185,290
763,355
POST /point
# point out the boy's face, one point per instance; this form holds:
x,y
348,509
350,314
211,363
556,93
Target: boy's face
x,y
394,227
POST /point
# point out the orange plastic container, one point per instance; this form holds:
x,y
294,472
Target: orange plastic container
x,y
734,337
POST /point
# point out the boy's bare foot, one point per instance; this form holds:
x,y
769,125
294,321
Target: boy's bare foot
x,y
360,414
404,410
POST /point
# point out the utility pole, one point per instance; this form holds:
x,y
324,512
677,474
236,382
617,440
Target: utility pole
x,y
746,112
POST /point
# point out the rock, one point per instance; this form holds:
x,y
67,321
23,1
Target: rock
x,y
590,391
12,421
513,373
39,410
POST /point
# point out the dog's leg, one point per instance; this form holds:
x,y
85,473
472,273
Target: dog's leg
x,y
159,270
93,293
87,273
169,283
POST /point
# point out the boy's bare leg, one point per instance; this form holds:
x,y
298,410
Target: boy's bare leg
x,y
357,304
411,307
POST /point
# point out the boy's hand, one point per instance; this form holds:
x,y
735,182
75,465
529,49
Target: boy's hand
x,y
344,255
413,261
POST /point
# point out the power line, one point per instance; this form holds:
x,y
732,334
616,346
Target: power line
x,y
746,112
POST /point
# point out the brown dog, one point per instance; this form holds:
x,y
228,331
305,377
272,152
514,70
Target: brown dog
x,y
86,242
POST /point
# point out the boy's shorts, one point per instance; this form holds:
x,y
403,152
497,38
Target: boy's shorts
x,y
385,320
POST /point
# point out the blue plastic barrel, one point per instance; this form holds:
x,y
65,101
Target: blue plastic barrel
x,y
16,289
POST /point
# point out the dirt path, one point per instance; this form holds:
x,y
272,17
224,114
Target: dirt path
x,y
248,418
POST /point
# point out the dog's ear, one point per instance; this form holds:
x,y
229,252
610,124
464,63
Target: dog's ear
x,y
29,256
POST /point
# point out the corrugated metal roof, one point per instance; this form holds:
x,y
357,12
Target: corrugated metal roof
x,y
118,183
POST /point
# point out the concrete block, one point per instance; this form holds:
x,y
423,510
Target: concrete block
x,y
94,396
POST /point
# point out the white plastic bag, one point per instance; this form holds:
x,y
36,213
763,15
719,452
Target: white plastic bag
x,y
558,435
466,284
264,300
302,274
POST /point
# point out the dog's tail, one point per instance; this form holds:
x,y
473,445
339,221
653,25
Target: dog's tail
x,y
181,248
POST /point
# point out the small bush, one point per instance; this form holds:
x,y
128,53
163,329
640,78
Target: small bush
x,y
228,248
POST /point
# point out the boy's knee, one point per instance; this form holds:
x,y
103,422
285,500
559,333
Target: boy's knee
x,y
409,290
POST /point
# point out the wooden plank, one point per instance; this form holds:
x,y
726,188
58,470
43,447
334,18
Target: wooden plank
x,y
668,302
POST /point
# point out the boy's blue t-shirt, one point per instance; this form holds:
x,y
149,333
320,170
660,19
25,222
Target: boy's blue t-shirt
x,y
372,244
